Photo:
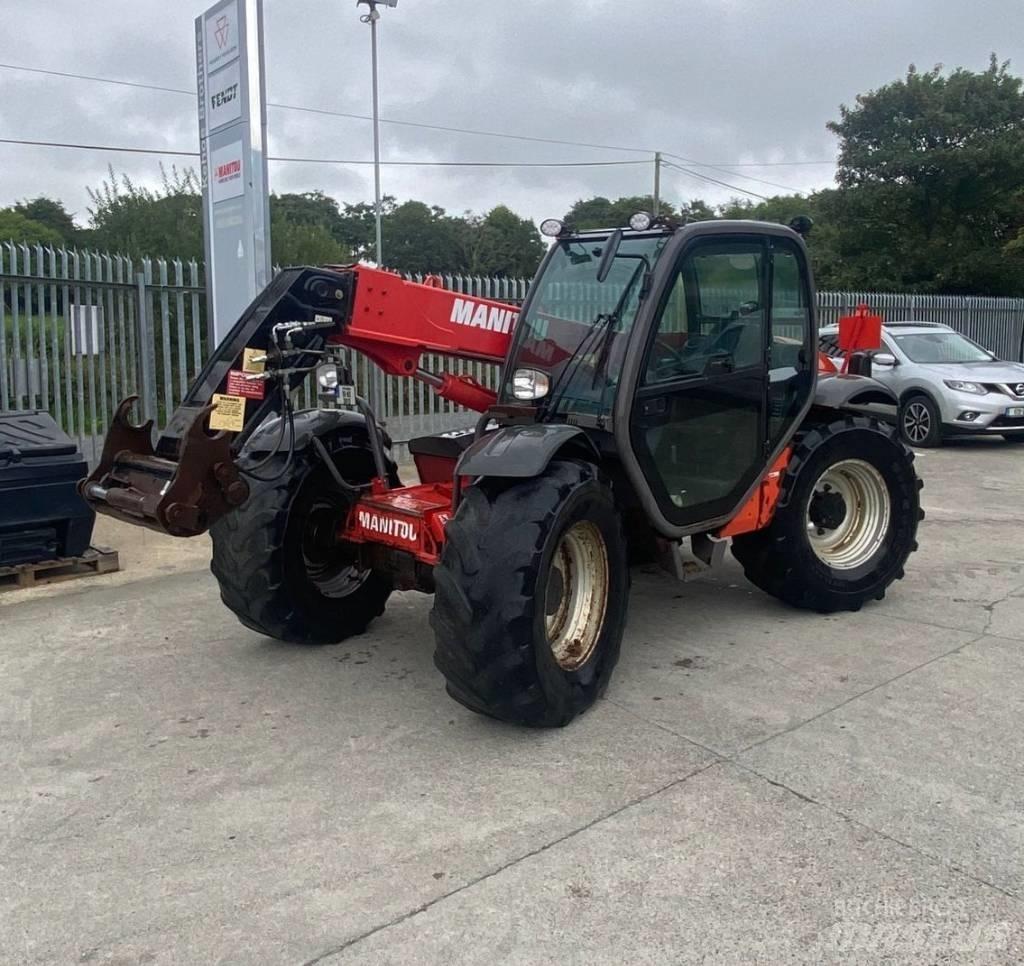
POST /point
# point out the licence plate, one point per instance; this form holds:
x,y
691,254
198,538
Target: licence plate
x,y
1015,412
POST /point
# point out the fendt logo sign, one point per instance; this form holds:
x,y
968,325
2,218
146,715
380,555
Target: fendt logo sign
x,y
221,98
387,526
478,315
224,101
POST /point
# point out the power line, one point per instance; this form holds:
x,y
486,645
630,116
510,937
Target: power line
x,y
725,170
329,113
98,80
435,164
99,147
772,164
430,127
705,177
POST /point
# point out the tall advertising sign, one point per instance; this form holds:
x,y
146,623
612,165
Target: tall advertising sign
x,y
233,140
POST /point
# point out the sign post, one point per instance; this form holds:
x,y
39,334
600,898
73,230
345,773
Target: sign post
x,y
232,144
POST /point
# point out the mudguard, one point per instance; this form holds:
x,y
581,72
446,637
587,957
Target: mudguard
x,y
522,451
843,391
309,423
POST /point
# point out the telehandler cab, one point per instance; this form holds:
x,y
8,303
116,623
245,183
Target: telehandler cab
x,y
659,383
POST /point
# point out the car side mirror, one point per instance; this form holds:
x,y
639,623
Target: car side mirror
x,y
884,359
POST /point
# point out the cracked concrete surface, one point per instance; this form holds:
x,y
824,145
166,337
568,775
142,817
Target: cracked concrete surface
x,y
759,785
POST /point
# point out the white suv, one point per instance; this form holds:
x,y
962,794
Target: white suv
x,y
946,383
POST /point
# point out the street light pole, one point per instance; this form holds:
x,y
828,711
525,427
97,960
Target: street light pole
x,y
371,18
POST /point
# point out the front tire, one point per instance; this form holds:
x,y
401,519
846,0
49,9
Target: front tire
x,y
280,568
920,422
845,523
531,595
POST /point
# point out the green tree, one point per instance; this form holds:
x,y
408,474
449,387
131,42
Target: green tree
x,y
696,209
357,229
502,243
15,227
139,221
599,212
421,238
931,183
52,214
304,230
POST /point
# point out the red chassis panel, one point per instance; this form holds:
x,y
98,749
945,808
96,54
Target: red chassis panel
x,y
411,519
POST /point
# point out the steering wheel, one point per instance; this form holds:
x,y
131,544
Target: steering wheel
x,y
666,360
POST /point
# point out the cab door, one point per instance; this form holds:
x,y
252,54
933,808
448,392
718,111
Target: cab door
x,y
711,401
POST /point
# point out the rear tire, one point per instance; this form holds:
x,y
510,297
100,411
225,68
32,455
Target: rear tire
x,y
846,520
531,595
279,567
920,422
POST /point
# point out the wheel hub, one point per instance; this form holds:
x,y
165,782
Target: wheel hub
x,y
576,596
828,508
917,422
331,564
848,514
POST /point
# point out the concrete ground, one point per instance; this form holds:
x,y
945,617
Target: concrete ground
x,y
759,786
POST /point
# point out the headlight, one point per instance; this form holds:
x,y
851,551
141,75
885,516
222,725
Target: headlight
x,y
327,376
530,384
973,387
641,221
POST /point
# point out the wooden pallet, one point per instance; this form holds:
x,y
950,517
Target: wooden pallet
x,y
95,560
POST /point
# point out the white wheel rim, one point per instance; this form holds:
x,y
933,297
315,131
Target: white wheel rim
x,y
576,596
917,422
848,514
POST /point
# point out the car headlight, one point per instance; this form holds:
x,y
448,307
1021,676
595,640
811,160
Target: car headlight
x,y
530,384
960,386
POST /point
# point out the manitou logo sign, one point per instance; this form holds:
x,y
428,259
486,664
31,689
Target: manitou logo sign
x,y
227,170
478,315
387,526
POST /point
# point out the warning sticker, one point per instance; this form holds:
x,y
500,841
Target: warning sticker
x,y
253,359
229,414
238,385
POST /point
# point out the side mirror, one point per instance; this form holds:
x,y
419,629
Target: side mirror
x,y
611,248
884,359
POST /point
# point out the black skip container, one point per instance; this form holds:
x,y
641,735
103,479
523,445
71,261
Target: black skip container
x,y
42,517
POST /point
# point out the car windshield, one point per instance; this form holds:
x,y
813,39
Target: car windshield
x,y
576,328
941,347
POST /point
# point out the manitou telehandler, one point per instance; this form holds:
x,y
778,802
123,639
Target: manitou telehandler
x,y
659,383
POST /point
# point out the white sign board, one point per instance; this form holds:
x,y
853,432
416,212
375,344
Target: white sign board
x,y
222,35
232,139
224,97
226,172
85,330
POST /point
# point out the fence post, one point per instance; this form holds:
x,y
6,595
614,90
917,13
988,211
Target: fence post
x,y
147,350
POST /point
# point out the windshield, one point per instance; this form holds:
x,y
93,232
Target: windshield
x,y
572,330
941,347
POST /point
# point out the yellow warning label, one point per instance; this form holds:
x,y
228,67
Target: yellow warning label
x,y
248,357
229,414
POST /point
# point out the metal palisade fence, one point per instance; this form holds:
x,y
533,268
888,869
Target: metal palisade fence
x,y
81,330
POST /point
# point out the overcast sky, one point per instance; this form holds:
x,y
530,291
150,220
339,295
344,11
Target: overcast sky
x,y
718,81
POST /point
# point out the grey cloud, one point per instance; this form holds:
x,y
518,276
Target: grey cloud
x,y
725,81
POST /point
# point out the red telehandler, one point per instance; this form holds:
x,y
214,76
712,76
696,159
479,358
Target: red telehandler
x,y
660,384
